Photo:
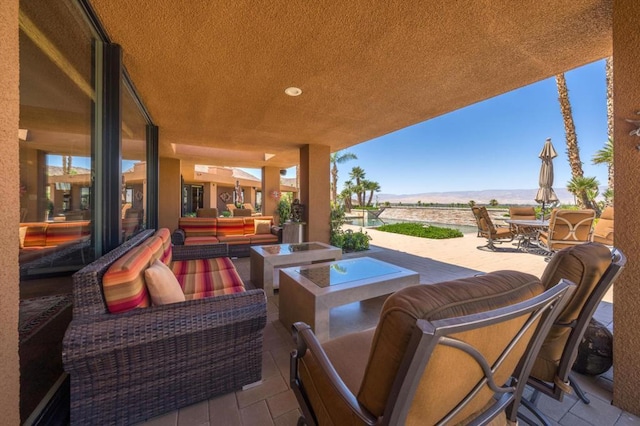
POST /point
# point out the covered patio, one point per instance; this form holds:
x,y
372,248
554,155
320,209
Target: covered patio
x,y
273,402
212,78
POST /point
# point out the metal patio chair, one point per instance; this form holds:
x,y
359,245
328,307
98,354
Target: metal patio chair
x,y
494,234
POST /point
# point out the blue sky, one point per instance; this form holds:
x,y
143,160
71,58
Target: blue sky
x,y
493,144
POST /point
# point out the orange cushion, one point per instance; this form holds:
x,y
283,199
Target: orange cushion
x,y
124,282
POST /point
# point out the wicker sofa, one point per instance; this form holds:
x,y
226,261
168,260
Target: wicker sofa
x,y
238,233
130,366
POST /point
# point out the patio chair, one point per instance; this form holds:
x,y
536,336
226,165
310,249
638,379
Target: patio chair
x,y
231,207
593,267
207,212
567,228
486,228
429,360
603,229
240,212
524,233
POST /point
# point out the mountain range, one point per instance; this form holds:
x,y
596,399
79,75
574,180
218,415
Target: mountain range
x,y
503,196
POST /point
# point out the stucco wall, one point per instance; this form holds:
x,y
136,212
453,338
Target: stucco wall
x,y
169,193
9,215
626,294
270,183
314,193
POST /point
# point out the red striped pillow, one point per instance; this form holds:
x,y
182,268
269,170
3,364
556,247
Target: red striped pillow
x,y
36,235
198,226
124,284
165,236
215,283
62,232
157,249
230,226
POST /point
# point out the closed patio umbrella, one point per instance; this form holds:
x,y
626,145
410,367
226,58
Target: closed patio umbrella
x,y
546,194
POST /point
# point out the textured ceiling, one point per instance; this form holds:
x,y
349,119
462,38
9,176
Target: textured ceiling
x,y
212,73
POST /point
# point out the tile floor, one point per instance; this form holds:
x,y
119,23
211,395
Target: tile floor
x,y
272,402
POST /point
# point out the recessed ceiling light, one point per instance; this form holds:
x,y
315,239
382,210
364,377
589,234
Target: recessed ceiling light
x,y
293,91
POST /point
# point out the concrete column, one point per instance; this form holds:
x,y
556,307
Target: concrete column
x,y
10,213
210,198
626,295
270,184
314,191
169,194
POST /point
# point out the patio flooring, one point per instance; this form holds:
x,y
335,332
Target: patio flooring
x,y
273,403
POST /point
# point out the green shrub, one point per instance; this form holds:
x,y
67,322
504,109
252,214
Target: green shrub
x,y
350,241
422,231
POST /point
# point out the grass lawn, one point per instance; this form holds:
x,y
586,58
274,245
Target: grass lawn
x,y
419,230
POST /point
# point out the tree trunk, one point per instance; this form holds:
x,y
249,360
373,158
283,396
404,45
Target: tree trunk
x,y
573,151
609,78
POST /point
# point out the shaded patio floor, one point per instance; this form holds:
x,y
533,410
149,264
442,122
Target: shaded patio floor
x,y
273,403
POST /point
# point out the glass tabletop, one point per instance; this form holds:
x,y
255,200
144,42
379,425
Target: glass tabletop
x,y
346,270
282,249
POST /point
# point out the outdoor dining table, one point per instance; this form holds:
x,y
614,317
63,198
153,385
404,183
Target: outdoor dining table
x,y
528,230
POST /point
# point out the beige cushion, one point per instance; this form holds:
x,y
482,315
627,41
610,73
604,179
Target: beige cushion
x,y
262,226
163,286
23,233
368,361
584,265
432,302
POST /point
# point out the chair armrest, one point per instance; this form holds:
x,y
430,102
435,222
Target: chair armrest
x,y
178,237
306,340
205,251
116,341
277,230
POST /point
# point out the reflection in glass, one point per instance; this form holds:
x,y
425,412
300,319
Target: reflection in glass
x,y
344,271
134,167
56,102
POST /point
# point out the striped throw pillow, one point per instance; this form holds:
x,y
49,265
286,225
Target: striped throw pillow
x,y
124,282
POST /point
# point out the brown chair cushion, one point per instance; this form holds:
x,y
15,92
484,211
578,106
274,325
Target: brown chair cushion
x,y
348,355
432,302
584,265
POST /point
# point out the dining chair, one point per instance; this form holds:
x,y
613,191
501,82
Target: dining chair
x,y
567,228
494,234
603,229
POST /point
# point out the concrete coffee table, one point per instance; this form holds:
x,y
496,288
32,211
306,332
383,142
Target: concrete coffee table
x,y
264,260
307,293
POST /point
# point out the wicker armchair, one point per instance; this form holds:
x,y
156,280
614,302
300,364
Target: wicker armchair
x,y
129,367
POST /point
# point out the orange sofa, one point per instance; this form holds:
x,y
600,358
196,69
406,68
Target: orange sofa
x,y
239,233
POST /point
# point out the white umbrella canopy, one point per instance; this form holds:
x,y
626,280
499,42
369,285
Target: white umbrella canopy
x,y
546,194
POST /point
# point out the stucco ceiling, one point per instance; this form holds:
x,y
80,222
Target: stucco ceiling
x,y
212,73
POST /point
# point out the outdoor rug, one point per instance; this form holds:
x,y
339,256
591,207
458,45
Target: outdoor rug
x,y
37,312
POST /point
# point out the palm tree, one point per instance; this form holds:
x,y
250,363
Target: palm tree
x,y
371,187
573,151
358,174
338,158
585,189
346,194
472,203
608,70
605,156
493,202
